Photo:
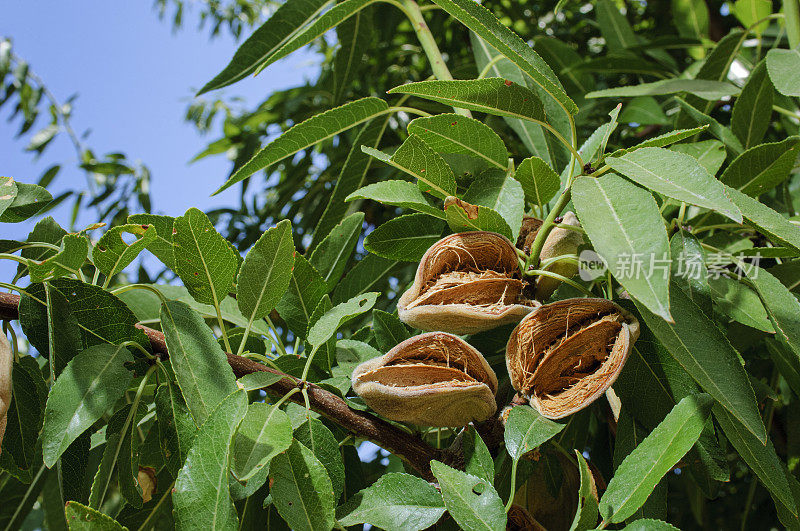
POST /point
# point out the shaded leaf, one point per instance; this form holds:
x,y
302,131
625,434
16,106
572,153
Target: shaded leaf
x,y
497,190
398,193
404,238
784,71
463,216
330,257
201,495
80,518
526,430
112,254
265,431
761,168
753,108
540,183
69,259
306,289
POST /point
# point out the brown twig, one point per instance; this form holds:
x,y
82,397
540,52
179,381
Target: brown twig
x,y
363,425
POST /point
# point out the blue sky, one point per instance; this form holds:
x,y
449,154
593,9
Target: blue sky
x,y
134,78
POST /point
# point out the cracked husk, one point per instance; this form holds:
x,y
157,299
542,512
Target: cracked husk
x,y
565,355
433,379
6,365
466,283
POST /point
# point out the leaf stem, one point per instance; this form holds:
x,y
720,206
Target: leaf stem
x,y
278,341
541,236
148,287
429,46
222,326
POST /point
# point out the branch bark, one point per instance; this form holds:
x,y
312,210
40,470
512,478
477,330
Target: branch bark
x,y
410,448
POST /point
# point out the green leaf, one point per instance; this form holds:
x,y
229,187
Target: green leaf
x,y
82,518
369,271
497,190
161,246
90,384
477,459
329,323
316,437
481,21
714,127
709,153
264,432
306,289
702,88
784,71
526,430
753,108
46,230
491,95
395,501
472,502
112,254
266,271
740,303
531,134
285,23
763,167
200,366
201,495
451,133
586,514
615,29
649,524
8,191
540,183
329,20
397,193
623,222
350,177
389,330
662,140
330,257
705,353
404,238
69,259
20,455
203,259
30,199
644,110
301,489
751,11
416,158
642,469
676,175
781,305
463,216
355,36
766,220
312,131
258,380
760,456
177,429
690,17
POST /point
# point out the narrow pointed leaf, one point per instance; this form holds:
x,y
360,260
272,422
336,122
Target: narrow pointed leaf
x,y
451,133
266,271
709,153
200,366
70,258
463,216
705,353
177,429
329,323
493,96
405,238
203,259
472,502
540,182
676,175
395,501
306,289
82,518
315,436
161,246
398,193
642,469
586,514
480,20
389,330
8,191
416,158
201,495
368,272
782,306
763,167
264,432
330,257
306,134
623,223
284,23
112,254
301,489
499,191
526,430
766,220
709,90
91,383
753,108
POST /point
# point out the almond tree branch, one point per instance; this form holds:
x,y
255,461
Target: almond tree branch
x,y
410,448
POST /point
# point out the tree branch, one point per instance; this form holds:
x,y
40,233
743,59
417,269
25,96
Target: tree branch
x,y
410,448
